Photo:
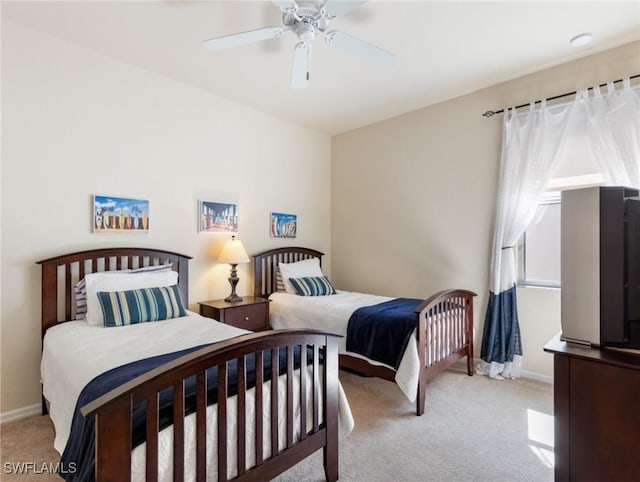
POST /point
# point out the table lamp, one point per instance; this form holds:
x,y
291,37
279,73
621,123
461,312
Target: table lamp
x,y
233,253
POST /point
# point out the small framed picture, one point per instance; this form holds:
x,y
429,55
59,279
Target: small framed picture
x,y
284,225
120,215
217,217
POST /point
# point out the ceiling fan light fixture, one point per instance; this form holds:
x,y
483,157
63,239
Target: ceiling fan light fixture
x,y
581,40
306,32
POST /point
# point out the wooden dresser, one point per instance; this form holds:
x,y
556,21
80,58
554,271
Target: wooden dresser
x,y
597,413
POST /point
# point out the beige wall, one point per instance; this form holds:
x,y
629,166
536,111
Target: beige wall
x,y
413,197
75,123
403,207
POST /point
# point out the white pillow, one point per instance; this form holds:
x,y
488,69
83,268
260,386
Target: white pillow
x,y
299,269
80,288
121,281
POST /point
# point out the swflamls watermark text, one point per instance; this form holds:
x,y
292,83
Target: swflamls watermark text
x,y
23,468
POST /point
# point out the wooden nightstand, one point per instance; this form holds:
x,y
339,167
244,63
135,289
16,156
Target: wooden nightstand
x,y
249,314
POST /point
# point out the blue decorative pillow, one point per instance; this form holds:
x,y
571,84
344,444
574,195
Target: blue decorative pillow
x,y
121,308
313,286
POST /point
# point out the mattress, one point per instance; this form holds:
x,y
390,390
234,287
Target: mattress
x,y
74,353
331,314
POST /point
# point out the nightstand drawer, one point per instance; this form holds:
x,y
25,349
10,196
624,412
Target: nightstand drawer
x,y
250,317
249,314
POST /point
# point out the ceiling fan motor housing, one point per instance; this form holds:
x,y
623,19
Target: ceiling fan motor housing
x,y
306,20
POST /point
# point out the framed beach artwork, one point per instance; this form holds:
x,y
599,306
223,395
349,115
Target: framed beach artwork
x,y
120,215
284,225
217,217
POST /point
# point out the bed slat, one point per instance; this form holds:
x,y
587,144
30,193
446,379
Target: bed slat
x,y
241,416
303,392
274,402
178,431
290,420
151,462
68,291
222,421
259,439
316,388
201,425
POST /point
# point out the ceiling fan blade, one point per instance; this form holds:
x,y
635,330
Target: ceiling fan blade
x,y
359,48
300,66
243,38
341,7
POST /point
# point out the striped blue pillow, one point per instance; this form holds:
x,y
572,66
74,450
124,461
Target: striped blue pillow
x,y
313,286
121,308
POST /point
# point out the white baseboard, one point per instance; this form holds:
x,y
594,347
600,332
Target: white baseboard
x,y
526,374
537,376
21,413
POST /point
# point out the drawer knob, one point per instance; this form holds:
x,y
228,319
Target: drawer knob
x,y
246,318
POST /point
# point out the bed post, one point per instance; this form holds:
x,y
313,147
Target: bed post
x,y
330,450
113,442
469,312
49,308
422,353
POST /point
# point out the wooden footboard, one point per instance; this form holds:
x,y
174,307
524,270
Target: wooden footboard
x,y
113,411
444,336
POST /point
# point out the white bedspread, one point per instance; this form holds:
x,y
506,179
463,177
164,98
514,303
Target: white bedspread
x,y
331,314
74,353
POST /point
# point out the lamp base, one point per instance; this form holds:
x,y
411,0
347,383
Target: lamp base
x,y
233,298
233,281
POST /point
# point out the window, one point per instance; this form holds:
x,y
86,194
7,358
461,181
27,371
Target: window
x,y
539,251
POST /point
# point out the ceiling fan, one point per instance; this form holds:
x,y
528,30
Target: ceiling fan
x,y
306,19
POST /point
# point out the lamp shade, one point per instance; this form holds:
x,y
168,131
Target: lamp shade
x,y
233,252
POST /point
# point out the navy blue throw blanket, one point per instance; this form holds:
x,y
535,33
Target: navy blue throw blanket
x,y
80,448
381,332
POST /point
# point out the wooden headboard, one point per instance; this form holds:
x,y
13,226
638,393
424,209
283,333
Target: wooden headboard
x,y
60,273
265,264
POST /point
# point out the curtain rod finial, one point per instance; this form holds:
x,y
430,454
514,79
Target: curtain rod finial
x,y
489,113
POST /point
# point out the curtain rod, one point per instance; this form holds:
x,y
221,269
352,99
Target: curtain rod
x,y
491,113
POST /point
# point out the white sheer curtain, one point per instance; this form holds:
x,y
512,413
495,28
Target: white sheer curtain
x,y
532,145
530,151
613,125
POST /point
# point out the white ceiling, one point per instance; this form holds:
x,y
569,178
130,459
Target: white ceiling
x,y
443,49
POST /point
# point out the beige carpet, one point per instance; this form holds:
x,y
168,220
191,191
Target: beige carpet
x,y
473,429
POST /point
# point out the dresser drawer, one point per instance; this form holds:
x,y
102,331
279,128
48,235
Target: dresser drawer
x,y
250,317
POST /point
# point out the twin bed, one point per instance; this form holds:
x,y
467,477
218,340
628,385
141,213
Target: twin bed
x,y
442,334
201,389
193,383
